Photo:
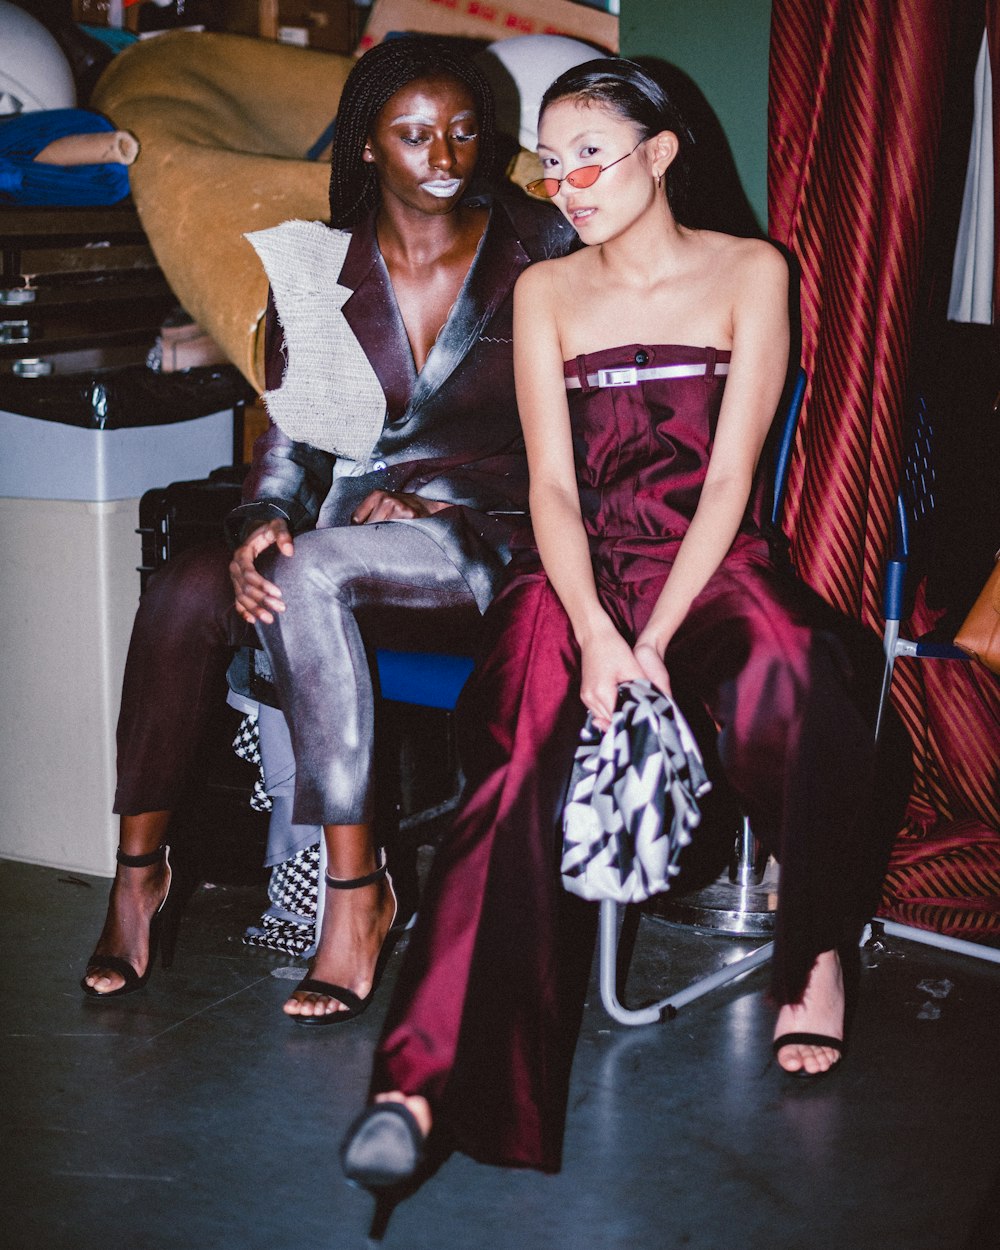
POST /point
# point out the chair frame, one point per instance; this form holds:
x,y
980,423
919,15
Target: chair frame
x,y
611,974
914,509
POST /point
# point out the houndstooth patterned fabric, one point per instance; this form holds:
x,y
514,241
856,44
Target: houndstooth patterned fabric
x,y
633,799
246,744
278,934
289,925
294,884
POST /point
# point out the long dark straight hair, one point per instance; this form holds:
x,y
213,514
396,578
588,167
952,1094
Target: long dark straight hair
x,y
626,89
378,75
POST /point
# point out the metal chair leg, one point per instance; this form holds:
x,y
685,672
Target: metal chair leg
x,y
927,937
667,1007
889,646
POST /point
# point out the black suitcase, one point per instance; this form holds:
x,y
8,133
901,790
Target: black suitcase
x,y
175,517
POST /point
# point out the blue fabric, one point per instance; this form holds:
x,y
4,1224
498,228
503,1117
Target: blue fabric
x,y
323,141
23,180
113,38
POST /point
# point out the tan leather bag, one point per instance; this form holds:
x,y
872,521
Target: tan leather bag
x,y
980,631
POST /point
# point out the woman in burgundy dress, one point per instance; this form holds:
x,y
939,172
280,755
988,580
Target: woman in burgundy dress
x,y
650,563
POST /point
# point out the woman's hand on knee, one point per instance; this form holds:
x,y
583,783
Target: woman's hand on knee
x,y
649,657
607,661
256,597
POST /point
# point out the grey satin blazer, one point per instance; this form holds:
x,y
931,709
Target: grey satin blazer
x,y
451,432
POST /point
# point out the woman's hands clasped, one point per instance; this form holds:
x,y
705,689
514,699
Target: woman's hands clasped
x,y
606,661
394,505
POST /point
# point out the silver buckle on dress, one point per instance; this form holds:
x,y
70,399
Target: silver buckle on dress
x,y
618,377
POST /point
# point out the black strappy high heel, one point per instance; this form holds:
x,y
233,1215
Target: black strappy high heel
x,y
162,933
849,955
354,1004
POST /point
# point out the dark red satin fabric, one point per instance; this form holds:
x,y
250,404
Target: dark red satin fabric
x,y
489,997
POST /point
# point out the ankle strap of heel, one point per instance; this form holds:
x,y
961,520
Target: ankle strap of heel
x,y
355,883
142,861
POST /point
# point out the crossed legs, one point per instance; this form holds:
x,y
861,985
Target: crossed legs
x,y
389,579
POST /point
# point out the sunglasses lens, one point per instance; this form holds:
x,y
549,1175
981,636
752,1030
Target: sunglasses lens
x,y
544,188
585,177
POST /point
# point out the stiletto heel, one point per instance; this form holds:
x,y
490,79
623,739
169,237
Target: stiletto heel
x,y
354,1004
162,933
169,923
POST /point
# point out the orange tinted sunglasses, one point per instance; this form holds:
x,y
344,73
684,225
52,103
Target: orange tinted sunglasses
x,y
585,176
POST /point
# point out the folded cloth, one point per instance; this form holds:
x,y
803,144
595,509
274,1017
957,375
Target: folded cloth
x,y
25,181
289,924
633,799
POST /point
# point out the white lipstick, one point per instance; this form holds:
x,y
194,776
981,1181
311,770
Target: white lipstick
x,y
443,189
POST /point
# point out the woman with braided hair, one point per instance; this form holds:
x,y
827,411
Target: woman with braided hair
x,y
378,507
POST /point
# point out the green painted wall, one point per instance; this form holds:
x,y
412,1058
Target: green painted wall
x,y
723,46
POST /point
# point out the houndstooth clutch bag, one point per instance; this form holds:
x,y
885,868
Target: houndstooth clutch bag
x,y
633,799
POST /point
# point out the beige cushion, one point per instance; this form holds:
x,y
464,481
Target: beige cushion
x,y
223,124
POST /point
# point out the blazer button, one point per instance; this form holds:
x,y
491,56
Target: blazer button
x,y
641,357
378,466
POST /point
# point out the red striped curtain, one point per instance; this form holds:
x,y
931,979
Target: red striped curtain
x,y
855,108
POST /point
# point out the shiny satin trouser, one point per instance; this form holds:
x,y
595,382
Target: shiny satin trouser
x,y
486,1010
380,585
389,580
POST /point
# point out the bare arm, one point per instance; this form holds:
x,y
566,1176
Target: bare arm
x,y
753,388
554,496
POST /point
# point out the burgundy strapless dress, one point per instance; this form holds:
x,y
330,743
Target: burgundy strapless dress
x,y
486,1010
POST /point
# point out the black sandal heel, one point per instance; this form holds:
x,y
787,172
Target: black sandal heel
x,y
354,1004
162,934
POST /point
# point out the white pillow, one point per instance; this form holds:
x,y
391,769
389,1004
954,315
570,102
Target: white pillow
x,y
520,68
34,74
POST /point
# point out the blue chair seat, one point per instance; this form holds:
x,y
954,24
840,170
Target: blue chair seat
x,y
426,678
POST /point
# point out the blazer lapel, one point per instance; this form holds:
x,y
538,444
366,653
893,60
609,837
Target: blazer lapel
x,y
373,315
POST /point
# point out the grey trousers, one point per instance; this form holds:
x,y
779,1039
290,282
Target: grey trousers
x,y
348,590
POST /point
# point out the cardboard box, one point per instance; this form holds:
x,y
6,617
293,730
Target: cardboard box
x,y
329,25
97,12
484,19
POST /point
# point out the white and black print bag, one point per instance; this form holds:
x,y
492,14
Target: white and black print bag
x,y
633,799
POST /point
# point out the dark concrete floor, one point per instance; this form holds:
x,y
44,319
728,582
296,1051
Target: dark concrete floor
x,y
192,1116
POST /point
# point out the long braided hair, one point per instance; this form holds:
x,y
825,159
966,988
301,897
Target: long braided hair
x,y
378,75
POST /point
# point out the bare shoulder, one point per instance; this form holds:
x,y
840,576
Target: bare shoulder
x,y
547,283
748,260
535,278
544,274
